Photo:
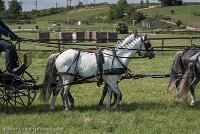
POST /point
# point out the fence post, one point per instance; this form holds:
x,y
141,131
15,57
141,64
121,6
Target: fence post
x,y
19,47
191,41
162,43
59,44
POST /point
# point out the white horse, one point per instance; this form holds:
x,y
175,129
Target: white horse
x,y
73,63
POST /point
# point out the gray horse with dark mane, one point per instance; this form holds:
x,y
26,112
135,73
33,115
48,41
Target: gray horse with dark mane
x,y
184,73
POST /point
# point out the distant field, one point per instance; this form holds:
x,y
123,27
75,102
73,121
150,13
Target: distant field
x,y
184,13
80,14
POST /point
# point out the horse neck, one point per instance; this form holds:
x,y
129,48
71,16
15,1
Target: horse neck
x,y
129,51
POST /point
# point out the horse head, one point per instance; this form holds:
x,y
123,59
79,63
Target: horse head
x,y
145,49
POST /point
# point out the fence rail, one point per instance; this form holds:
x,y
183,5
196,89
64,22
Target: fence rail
x,y
59,44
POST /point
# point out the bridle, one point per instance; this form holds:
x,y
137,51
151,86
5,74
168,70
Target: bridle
x,y
148,48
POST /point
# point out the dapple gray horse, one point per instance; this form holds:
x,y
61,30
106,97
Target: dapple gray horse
x,y
181,74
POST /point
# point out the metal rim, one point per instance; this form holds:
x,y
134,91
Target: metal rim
x,y
30,81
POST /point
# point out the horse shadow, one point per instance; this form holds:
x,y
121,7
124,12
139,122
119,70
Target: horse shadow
x,y
123,107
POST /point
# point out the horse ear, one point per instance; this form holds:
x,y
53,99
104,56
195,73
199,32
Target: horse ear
x,y
145,37
141,37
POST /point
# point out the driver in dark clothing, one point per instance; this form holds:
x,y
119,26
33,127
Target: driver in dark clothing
x,y
10,52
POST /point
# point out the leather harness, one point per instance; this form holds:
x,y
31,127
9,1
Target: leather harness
x,y
100,71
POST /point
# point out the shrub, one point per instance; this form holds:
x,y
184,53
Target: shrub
x,y
121,27
138,16
172,11
178,23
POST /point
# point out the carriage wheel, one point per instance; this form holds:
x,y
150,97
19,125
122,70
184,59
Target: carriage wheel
x,y
30,81
14,94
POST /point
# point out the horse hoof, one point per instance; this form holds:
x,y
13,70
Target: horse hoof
x,y
66,109
100,105
192,103
71,107
52,108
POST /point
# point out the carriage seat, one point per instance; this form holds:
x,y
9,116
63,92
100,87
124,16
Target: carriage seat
x,y
27,62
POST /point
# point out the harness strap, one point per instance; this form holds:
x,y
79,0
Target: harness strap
x,y
100,62
75,60
194,67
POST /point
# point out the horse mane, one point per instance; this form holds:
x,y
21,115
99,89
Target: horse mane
x,y
125,40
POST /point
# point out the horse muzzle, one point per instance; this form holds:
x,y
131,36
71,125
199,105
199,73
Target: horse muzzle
x,y
150,54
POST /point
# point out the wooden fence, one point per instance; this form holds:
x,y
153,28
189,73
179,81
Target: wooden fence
x,y
58,43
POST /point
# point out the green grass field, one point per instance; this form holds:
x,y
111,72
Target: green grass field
x,y
183,13
145,107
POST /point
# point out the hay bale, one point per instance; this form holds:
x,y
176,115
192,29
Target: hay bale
x,y
64,36
101,37
80,36
112,36
43,37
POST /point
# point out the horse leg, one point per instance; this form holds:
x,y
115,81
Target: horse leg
x,y
192,88
116,91
105,90
71,99
66,87
55,93
109,97
115,98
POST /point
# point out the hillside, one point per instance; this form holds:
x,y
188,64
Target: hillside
x,y
80,14
189,14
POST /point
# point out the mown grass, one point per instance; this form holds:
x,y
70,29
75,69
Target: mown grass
x,y
145,107
184,13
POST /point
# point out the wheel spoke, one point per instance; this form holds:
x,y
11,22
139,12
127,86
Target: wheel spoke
x,y
22,94
16,89
13,106
2,105
6,106
19,103
20,99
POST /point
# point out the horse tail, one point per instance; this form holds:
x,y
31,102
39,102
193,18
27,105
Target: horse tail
x,y
50,78
177,67
184,86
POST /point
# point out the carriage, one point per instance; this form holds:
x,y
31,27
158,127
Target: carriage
x,y
17,91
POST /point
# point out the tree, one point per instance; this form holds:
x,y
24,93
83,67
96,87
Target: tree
x,y
141,3
147,2
2,6
14,9
118,11
138,16
80,4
